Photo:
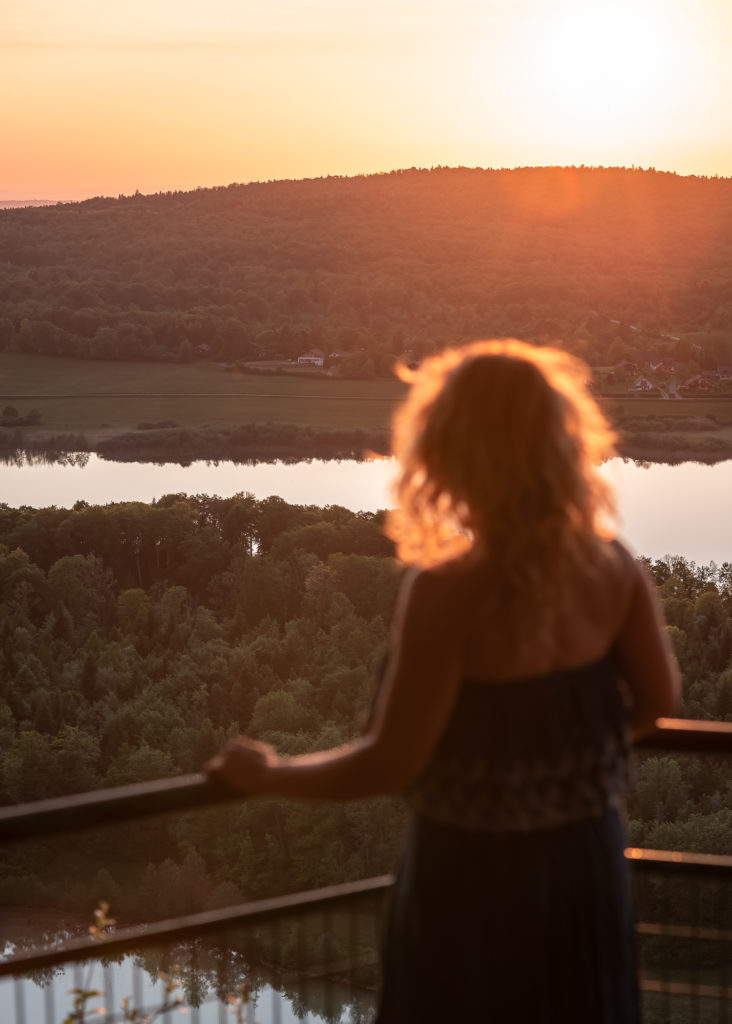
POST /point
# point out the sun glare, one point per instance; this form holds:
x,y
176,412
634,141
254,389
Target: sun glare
x,y
605,68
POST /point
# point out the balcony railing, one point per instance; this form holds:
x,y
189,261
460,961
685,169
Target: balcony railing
x,y
319,948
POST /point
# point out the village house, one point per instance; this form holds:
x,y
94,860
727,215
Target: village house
x,y
699,382
313,357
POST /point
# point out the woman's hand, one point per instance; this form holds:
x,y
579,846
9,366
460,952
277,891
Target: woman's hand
x,y
243,764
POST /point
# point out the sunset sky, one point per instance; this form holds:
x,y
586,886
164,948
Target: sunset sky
x,y
102,99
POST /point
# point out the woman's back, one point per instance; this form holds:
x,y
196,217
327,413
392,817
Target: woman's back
x,y
577,630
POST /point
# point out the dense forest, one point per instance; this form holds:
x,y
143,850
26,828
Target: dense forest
x,y
135,638
612,261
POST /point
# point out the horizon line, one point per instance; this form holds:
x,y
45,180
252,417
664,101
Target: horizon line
x,y
26,202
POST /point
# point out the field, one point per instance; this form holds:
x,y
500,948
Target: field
x,y
100,398
718,408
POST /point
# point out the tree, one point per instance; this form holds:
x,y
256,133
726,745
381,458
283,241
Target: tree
x,y
84,585
134,608
280,712
75,756
28,767
661,792
140,764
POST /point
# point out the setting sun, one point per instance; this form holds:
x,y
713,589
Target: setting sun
x,y
609,72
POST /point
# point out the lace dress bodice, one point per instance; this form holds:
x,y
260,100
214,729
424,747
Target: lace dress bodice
x,y
529,754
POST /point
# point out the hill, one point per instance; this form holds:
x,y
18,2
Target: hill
x,y
612,261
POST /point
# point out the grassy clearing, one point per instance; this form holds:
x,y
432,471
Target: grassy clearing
x,y
99,397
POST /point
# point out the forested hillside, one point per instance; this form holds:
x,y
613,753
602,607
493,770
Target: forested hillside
x,y
610,261
135,638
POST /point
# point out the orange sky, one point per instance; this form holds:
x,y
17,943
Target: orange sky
x,y
171,94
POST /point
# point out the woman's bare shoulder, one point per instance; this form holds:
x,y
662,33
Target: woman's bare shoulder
x,y
623,554
624,566
439,593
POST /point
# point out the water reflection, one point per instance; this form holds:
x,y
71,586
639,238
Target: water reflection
x,y
360,486
48,996
24,457
664,509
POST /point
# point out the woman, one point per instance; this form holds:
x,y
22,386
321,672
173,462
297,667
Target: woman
x,y
526,641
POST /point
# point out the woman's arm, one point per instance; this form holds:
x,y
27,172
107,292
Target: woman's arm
x,y
645,657
412,709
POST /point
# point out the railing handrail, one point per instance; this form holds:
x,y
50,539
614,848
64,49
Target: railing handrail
x,y
689,735
105,806
188,792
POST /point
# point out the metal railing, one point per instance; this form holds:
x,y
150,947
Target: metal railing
x,y
685,942
188,792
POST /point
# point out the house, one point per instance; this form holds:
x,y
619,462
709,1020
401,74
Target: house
x,y
699,382
313,357
724,372
641,384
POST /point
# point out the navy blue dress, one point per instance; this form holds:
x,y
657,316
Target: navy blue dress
x,y
512,901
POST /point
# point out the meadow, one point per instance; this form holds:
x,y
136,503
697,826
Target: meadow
x,y
100,398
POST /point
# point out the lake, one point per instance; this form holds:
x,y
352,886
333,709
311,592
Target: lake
x,y
681,510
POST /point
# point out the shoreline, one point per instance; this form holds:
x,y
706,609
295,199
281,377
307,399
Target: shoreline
x,y
186,446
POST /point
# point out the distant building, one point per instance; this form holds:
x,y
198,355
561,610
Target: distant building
x,y
314,357
699,382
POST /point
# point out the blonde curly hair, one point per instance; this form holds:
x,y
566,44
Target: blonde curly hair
x,y
498,444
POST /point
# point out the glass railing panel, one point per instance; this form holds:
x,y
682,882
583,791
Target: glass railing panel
x,y
684,936
320,967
